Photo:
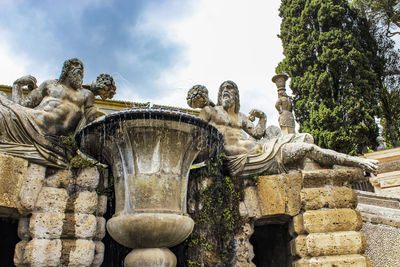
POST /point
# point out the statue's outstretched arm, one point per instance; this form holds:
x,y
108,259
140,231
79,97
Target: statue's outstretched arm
x,y
255,131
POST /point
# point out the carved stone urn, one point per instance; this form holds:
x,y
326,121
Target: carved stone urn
x,y
150,152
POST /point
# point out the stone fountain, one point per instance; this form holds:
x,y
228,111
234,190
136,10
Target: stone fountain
x,y
150,152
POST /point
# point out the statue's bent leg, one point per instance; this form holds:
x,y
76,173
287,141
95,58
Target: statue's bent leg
x,y
295,153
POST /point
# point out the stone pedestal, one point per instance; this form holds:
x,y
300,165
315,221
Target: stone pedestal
x,y
66,223
60,214
328,226
321,207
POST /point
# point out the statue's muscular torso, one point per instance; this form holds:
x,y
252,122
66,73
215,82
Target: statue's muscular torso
x,y
232,127
58,107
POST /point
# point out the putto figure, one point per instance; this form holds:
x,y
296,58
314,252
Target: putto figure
x,y
249,153
31,127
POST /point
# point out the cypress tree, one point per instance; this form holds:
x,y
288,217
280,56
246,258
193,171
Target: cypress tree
x,y
335,73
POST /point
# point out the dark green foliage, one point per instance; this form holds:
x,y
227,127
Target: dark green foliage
x,y
215,200
384,22
335,73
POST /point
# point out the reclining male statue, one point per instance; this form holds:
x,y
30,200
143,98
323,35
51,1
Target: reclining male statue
x,y
31,127
250,153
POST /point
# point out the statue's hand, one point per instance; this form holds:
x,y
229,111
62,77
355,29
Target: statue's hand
x,y
27,80
256,113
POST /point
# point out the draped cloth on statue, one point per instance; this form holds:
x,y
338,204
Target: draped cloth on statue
x,y
20,136
268,159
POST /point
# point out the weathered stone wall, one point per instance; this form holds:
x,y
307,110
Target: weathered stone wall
x,y
325,226
60,213
381,217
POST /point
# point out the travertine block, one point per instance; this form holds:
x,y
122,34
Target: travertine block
x,y
85,202
85,226
81,252
99,254
19,253
46,225
52,199
250,207
101,205
23,228
31,187
88,178
100,228
327,244
335,177
271,191
353,260
61,178
328,197
44,252
323,221
296,226
12,175
293,186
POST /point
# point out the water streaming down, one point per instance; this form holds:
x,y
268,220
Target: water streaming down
x,y
151,151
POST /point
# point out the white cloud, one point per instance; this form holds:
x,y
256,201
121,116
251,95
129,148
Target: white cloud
x,y
226,40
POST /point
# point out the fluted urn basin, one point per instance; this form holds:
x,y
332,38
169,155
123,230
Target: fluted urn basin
x,y
150,152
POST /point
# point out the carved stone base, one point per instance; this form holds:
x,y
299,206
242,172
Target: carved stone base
x,y
150,257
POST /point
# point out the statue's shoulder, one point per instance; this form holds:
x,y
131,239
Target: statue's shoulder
x,y
48,83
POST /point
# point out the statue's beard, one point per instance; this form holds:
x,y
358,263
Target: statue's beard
x,y
227,103
75,80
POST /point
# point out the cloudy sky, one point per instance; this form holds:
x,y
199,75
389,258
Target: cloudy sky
x,y
155,49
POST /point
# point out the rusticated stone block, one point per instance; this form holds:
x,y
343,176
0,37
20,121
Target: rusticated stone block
x,y
60,225
280,194
61,178
99,254
46,225
85,226
250,207
100,228
12,174
19,253
31,187
353,260
335,177
44,252
88,178
293,188
101,205
271,190
296,226
52,199
78,253
85,202
328,197
323,221
328,244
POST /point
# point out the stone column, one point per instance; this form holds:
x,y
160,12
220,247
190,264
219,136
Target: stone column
x,y
66,224
327,230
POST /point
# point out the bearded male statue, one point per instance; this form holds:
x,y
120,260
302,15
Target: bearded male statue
x,y
31,127
249,152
